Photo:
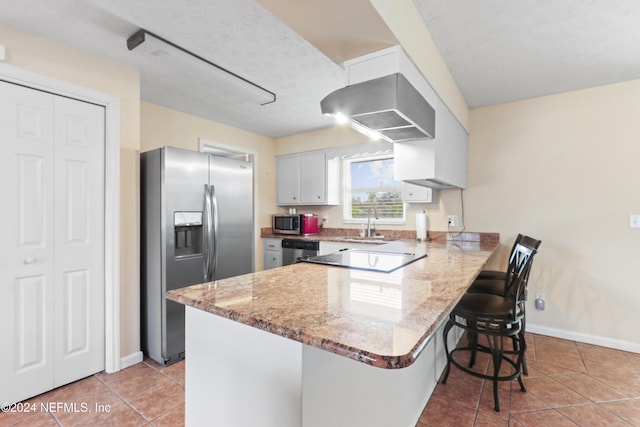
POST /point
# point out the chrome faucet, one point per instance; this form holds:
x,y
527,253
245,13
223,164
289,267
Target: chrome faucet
x,y
375,212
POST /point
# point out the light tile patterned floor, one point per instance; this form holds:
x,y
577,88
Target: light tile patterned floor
x,y
143,394
569,384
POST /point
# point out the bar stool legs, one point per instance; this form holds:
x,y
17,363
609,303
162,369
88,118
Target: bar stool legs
x,y
498,354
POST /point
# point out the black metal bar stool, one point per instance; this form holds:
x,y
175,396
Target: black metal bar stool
x,y
493,283
497,318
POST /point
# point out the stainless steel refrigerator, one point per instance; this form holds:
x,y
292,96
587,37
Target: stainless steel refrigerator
x,y
196,227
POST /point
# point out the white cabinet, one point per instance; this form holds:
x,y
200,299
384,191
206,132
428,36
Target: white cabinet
x,y
417,194
271,253
313,176
437,163
308,179
289,181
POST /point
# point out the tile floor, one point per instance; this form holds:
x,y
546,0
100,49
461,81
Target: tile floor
x,y
144,394
569,384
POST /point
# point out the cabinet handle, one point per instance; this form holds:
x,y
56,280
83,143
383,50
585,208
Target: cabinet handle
x,y
318,197
29,260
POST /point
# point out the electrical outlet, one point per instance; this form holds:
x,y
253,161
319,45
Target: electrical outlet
x,y
634,221
452,220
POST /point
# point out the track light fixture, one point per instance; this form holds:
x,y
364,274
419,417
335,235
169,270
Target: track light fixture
x,y
168,54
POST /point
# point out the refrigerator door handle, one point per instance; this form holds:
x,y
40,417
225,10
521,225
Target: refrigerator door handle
x,y
207,237
214,254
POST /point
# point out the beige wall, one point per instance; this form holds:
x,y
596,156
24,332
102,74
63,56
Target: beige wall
x,y
49,58
566,169
162,126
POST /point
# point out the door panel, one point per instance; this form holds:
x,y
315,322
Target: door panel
x,y
31,317
76,316
77,206
31,196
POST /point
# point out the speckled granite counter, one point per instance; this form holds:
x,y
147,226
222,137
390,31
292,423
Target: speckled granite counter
x,y
303,345
377,318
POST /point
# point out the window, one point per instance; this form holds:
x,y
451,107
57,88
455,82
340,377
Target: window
x,y
368,183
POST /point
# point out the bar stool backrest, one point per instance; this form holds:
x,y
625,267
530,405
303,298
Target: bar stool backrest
x,y
519,267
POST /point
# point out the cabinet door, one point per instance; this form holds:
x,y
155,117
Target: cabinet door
x,y
271,253
313,171
272,259
288,181
416,193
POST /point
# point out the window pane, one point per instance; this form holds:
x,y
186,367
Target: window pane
x,y
372,185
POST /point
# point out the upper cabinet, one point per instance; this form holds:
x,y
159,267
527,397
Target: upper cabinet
x,y
288,173
308,179
436,163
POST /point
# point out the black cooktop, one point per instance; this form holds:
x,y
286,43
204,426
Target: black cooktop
x,y
363,259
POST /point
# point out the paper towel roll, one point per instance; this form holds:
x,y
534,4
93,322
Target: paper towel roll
x,y
421,226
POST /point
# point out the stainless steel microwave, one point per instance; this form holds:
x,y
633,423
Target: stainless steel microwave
x,y
286,224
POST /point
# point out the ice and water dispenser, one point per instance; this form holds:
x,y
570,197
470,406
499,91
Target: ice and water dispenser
x,y
187,230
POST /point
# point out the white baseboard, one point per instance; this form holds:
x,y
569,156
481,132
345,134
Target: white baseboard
x,y
130,360
584,338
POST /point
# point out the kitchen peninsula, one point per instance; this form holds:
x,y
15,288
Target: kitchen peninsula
x,y
315,345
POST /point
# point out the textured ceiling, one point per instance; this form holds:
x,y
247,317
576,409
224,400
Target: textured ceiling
x,y
240,36
497,50
504,50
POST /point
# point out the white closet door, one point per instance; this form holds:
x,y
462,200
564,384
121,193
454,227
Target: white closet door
x,y
79,239
27,251
51,256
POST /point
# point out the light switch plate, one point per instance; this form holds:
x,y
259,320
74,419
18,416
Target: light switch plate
x,y
634,221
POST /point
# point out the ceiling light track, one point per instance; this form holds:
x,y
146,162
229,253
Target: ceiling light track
x,y
160,48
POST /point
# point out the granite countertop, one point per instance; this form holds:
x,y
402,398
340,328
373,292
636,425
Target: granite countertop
x,y
381,319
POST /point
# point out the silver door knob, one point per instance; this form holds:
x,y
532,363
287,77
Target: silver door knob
x,y
29,260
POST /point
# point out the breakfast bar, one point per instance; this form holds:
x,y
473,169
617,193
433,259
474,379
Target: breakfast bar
x,y
318,345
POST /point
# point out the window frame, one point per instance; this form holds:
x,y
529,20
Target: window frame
x,y
346,192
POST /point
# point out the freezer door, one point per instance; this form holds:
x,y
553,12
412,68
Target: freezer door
x,y
186,175
232,187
